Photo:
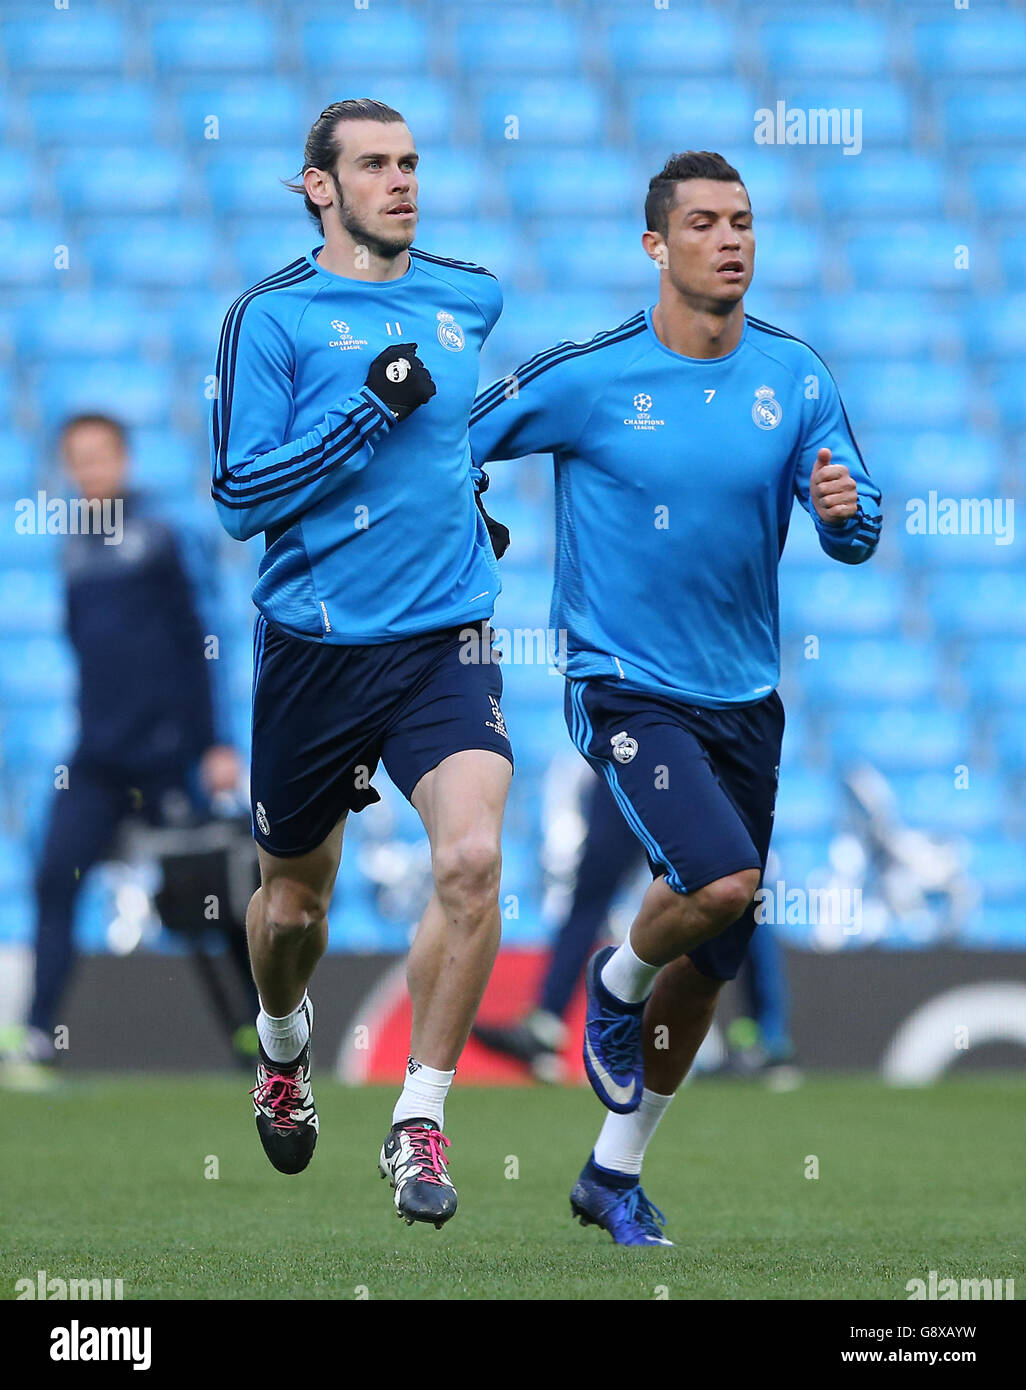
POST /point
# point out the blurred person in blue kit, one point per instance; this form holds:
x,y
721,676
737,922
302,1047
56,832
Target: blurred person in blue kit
x,y
610,853
147,740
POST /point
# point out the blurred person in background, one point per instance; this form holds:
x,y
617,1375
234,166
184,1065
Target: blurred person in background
x,y
610,853
147,742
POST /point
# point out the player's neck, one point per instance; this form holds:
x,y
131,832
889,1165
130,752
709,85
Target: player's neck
x,y
696,332
341,255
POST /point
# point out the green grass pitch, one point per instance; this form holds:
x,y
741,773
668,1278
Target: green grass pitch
x,y
106,1178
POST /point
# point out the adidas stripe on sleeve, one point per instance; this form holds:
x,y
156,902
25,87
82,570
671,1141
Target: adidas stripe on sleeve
x,y
261,479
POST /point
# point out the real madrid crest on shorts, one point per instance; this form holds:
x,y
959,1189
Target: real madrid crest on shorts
x,y
624,747
450,334
766,411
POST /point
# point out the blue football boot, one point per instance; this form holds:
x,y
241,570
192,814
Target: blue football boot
x,y
613,1055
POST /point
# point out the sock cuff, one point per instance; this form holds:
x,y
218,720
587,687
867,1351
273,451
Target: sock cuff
x,y
272,1018
423,1072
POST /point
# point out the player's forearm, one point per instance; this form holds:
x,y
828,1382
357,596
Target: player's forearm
x,y
854,542
256,492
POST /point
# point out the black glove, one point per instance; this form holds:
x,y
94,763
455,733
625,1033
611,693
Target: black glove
x,y
497,533
398,377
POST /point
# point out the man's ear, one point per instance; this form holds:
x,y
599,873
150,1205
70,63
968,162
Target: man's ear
x,y
656,248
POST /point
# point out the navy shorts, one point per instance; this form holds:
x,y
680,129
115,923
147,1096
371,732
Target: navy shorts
x,y
697,786
324,715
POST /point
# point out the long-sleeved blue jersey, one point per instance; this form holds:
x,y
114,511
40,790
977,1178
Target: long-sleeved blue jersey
x,y
675,479
372,530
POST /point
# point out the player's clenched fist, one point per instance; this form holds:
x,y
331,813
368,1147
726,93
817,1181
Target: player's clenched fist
x,y
398,377
833,490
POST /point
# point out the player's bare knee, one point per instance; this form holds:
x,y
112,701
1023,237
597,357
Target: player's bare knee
x,y
292,908
466,872
724,900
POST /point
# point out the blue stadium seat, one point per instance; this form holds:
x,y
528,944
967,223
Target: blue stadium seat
x,y
167,462
524,601
164,253
985,113
931,801
871,670
1009,395
670,43
592,183
1009,739
122,180
107,322
537,40
467,186
998,926
887,109
999,866
878,323
789,255
899,738
600,256
272,111
20,472
878,184
997,326
807,803
532,323
914,255
963,603
248,182
193,324
907,463
994,44
701,115
260,250
929,395
783,307
31,600
994,669
492,244
18,181
40,735
236,40
566,112
1012,255
859,599
967,548
140,393
797,857
27,251
368,41
14,866
999,186
70,40
37,668
113,113
839,43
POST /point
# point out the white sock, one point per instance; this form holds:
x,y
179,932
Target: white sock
x,y
423,1094
283,1039
623,1139
627,975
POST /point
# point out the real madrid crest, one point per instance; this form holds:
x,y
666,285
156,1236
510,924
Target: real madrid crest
x,y
766,410
450,334
624,747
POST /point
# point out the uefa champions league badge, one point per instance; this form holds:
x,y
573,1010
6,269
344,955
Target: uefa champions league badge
x,y
450,334
766,410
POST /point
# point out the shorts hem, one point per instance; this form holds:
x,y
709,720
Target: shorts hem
x,y
506,753
708,878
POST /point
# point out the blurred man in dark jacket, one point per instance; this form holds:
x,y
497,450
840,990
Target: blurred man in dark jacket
x,y
147,741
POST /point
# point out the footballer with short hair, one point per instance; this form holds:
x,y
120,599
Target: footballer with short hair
x,y
339,432
680,440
